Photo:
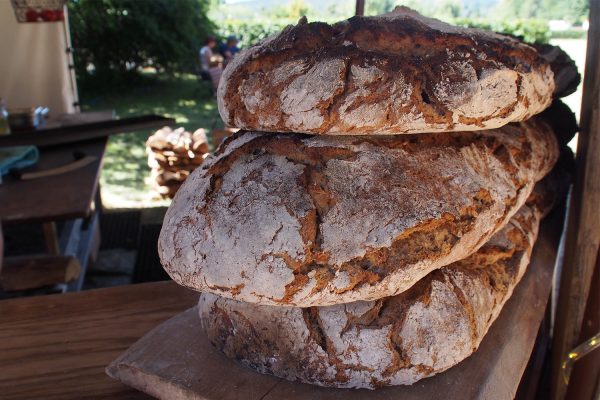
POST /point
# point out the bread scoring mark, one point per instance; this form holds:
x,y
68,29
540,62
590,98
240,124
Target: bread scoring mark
x,y
256,99
447,327
307,95
372,99
245,239
352,227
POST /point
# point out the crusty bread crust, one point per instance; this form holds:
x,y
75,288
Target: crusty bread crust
x,y
397,340
391,74
302,220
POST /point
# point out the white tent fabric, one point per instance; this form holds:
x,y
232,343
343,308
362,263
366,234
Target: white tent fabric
x,y
34,64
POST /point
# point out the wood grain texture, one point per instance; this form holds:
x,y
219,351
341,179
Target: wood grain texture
x,y
190,368
57,197
29,272
585,378
56,347
583,231
84,126
51,237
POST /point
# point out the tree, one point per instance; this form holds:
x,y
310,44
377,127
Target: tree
x,y
447,9
377,7
117,37
294,10
570,10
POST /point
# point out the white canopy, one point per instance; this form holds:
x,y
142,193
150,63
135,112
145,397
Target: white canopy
x,y
34,64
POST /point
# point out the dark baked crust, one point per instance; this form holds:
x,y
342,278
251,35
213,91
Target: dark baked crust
x,y
566,75
302,220
396,73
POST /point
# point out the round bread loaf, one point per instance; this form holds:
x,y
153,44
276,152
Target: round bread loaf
x,y
291,219
390,74
397,340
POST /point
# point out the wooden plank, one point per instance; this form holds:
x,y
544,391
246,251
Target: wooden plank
x,y
583,231
51,237
57,347
58,170
179,371
84,131
96,239
82,248
585,378
54,198
30,272
532,377
174,361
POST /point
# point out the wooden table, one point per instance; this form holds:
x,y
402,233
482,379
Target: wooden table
x,y
56,347
68,128
71,196
54,198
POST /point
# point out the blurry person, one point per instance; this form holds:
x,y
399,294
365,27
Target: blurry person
x,y
229,49
211,64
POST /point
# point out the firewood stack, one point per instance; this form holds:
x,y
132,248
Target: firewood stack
x,y
172,155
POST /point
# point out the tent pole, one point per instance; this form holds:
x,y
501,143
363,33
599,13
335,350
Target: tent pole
x,y
583,231
360,7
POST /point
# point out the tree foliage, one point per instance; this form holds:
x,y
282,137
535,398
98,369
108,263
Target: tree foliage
x,y
570,10
293,10
530,30
249,33
114,38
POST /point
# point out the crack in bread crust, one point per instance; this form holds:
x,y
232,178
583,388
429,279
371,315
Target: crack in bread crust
x,y
303,220
396,73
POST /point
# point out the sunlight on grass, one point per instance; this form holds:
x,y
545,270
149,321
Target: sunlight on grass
x,y
183,97
186,103
180,118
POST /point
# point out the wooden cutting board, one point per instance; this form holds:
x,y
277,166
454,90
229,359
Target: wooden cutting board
x,y
176,361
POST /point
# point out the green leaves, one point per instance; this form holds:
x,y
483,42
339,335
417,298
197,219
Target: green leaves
x,y
115,39
529,30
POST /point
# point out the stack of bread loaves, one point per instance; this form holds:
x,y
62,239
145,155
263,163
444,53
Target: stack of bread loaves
x,y
379,249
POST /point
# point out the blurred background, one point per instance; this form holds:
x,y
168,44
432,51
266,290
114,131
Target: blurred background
x,y
142,56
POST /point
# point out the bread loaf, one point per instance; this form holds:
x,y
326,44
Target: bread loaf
x,y
397,340
390,74
291,219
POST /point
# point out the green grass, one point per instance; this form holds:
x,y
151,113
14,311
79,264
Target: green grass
x,y
125,170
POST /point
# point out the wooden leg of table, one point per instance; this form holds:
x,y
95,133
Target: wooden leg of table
x,y
51,237
1,247
98,200
77,240
96,234
95,244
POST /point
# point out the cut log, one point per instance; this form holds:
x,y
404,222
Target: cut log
x,y
30,272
